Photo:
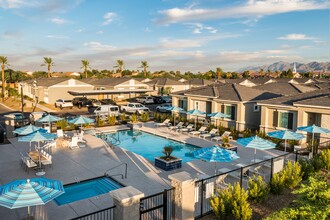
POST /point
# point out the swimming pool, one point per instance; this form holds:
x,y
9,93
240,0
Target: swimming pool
x,y
150,146
86,189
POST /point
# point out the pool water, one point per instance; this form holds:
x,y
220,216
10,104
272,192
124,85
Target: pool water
x,y
87,189
150,146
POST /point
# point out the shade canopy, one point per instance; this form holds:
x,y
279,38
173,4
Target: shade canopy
x,y
28,130
218,115
215,154
314,129
30,192
81,120
175,109
195,112
256,143
286,135
37,136
49,118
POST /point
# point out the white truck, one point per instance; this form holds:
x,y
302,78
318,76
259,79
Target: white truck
x,y
145,99
134,108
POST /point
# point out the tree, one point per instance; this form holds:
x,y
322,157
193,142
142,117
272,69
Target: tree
x,y
219,72
120,65
246,74
85,66
48,61
144,65
4,63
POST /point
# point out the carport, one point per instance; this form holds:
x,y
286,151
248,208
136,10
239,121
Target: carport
x,y
114,94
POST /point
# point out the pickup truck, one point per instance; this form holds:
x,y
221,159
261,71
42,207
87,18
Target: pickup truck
x,y
62,103
82,102
134,108
145,99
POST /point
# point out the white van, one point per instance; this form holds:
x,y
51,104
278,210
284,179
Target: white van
x,y
107,110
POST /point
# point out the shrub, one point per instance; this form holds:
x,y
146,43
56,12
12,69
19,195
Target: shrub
x,y
134,118
167,151
261,134
247,133
12,92
62,124
112,120
277,183
231,202
325,158
306,167
99,121
222,129
123,118
234,132
41,102
145,117
292,174
258,189
317,162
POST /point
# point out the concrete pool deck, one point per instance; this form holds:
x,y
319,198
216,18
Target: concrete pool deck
x,y
93,160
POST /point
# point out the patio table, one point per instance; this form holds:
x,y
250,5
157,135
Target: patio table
x,y
34,155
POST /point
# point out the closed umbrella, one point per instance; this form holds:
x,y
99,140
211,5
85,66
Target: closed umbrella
x,y
49,119
175,109
286,135
215,154
218,115
196,113
30,192
37,137
256,143
314,130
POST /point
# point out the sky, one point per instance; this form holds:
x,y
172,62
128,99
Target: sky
x,y
174,35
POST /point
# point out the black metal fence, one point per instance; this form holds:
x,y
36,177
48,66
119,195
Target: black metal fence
x,y
158,206
205,188
104,214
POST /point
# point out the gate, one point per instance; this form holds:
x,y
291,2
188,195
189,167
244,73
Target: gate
x,y
159,206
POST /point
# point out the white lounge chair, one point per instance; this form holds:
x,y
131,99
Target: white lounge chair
x,y
178,126
225,134
164,123
189,128
74,143
212,133
60,133
201,130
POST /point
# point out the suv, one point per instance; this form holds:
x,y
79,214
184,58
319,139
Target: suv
x,y
158,99
145,99
167,99
82,102
62,103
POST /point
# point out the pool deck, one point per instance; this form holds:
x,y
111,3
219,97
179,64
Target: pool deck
x,y
94,159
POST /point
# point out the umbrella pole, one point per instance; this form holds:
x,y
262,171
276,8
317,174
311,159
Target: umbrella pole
x,y
313,143
284,145
28,212
195,124
39,155
215,168
255,153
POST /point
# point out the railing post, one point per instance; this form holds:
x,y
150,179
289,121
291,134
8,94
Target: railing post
x,y
296,155
271,168
241,179
201,196
165,205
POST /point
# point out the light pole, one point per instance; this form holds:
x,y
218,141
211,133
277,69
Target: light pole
x,y
35,87
22,103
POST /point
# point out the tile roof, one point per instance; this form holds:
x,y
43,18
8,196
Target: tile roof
x,y
106,81
323,101
164,82
46,82
198,82
285,88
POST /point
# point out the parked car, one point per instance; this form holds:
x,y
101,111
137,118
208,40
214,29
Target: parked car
x,y
134,108
82,102
107,110
107,102
62,103
163,107
145,99
167,99
95,102
158,99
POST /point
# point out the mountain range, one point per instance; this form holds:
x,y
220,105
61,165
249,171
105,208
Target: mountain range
x,y
301,67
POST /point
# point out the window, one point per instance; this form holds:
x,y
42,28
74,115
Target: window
x,y
230,110
283,119
256,108
196,105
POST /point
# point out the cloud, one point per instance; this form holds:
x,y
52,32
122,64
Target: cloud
x,y
198,28
109,18
81,30
251,9
180,43
12,34
58,21
93,45
9,4
58,6
100,32
296,37
57,36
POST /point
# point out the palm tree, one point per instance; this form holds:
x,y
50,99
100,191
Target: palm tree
x,y
219,72
144,65
4,63
49,63
120,65
85,66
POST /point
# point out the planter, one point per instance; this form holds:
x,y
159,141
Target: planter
x,y
168,165
232,148
134,125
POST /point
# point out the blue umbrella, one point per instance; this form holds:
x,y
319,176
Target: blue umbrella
x,y
37,137
195,112
215,154
28,130
26,193
81,120
218,115
49,119
286,135
256,143
314,130
175,109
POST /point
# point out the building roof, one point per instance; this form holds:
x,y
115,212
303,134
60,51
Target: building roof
x,y
198,82
323,101
46,82
164,82
285,88
106,81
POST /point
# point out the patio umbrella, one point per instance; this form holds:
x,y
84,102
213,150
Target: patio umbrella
x,y
30,192
286,135
314,130
37,137
218,115
215,154
256,143
195,112
49,119
174,109
27,130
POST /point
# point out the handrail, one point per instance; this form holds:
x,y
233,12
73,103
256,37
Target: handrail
x,y
106,172
93,213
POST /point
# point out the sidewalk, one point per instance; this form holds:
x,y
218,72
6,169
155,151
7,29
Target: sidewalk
x,y
39,106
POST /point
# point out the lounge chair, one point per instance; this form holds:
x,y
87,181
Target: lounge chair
x,y
189,128
178,126
164,123
212,133
29,164
225,134
220,181
74,143
61,134
201,130
260,171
